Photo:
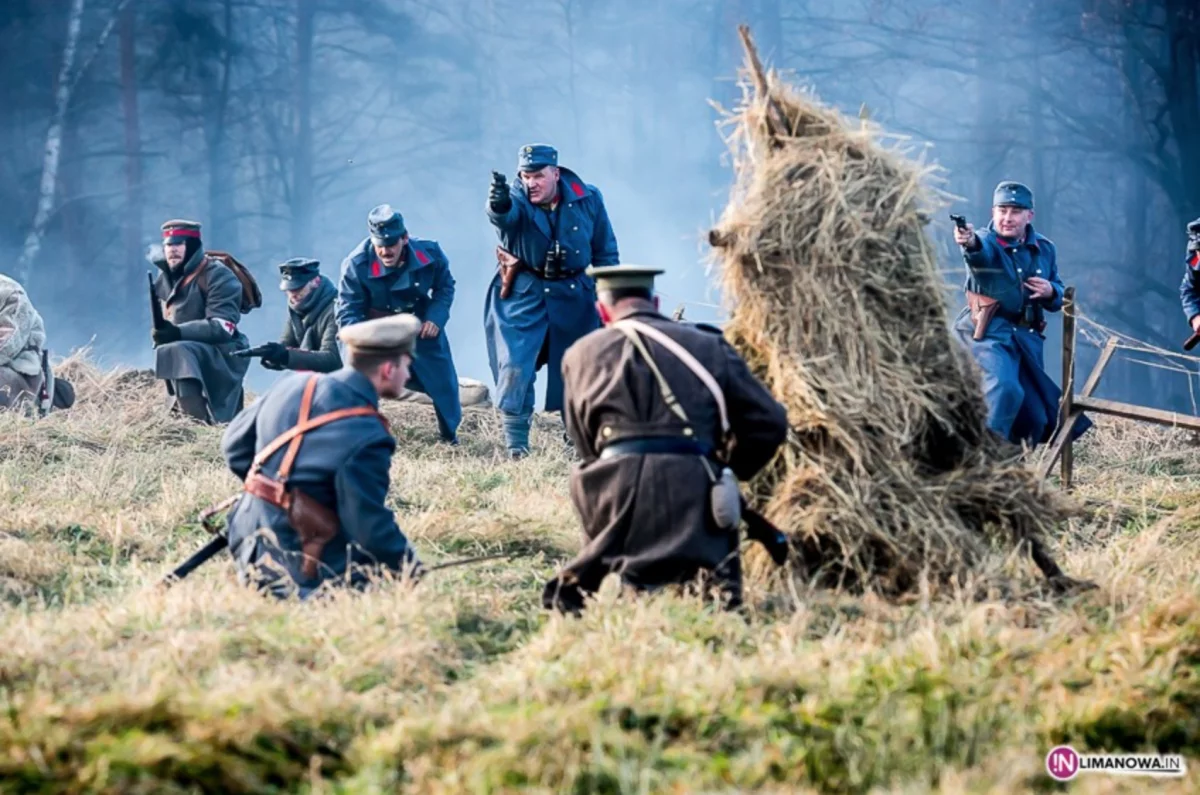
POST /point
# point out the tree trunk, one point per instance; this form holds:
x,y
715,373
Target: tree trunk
x,y
222,213
572,72
53,151
1041,186
133,153
302,172
1183,100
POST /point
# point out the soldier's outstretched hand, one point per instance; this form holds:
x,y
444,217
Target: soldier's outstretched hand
x,y
498,197
964,237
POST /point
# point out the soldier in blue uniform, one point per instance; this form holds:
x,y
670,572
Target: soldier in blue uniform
x,y
1012,281
389,272
552,226
337,477
1189,289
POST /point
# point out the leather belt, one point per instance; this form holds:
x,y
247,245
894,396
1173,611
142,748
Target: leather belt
x,y
646,445
560,277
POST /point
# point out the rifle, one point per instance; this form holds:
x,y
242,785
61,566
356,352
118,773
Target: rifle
x,y
155,307
220,541
206,552
759,529
261,350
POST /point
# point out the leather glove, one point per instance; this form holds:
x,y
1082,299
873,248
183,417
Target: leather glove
x,y
499,198
276,356
167,334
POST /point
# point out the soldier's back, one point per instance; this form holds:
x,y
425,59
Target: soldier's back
x,y
324,449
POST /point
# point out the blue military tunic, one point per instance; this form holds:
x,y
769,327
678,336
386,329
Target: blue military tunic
x,y
420,284
1022,399
343,465
543,312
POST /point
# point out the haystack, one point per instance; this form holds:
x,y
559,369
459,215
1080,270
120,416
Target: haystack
x,y
890,477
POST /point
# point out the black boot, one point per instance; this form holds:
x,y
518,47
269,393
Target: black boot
x,y
189,397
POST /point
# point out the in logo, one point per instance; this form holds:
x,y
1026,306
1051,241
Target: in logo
x,y
1062,763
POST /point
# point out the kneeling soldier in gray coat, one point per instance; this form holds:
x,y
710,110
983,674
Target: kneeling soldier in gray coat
x,y
319,516
309,340
193,351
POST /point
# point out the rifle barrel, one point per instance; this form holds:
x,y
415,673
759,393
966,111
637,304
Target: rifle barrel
x,y
198,559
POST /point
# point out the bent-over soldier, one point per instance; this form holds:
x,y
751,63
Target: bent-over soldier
x,y
314,511
552,226
26,378
1012,281
654,408
309,339
389,273
201,299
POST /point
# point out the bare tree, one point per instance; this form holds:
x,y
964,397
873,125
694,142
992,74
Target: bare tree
x,y
54,137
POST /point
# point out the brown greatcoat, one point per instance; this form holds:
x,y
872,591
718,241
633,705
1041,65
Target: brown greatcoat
x,y
647,516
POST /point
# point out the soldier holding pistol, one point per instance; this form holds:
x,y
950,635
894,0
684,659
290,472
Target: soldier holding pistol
x,y
1012,281
1189,288
552,226
309,340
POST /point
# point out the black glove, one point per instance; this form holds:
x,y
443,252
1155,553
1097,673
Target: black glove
x,y
499,198
275,357
167,334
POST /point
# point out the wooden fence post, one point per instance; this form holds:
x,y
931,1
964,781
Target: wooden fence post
x,y
1068,383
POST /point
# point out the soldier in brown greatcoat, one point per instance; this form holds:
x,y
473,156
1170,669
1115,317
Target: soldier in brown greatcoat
x,y
656,434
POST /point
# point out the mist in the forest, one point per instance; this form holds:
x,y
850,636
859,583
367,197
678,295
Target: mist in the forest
x,y
278,124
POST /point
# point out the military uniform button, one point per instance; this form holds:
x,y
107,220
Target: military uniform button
x,y
547,289
687,431
606,431
572,285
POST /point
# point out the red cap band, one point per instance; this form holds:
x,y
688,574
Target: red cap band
x,y
180,233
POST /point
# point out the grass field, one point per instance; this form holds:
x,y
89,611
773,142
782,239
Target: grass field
x,y
464,684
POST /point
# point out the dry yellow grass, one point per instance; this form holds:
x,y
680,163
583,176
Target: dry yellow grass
x,y
464,685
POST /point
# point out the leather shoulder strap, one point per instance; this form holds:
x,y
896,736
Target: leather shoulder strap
x,y
690,361
191,277
668,395
295,434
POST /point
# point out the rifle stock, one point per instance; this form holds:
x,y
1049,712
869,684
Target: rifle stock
x,y
156,312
